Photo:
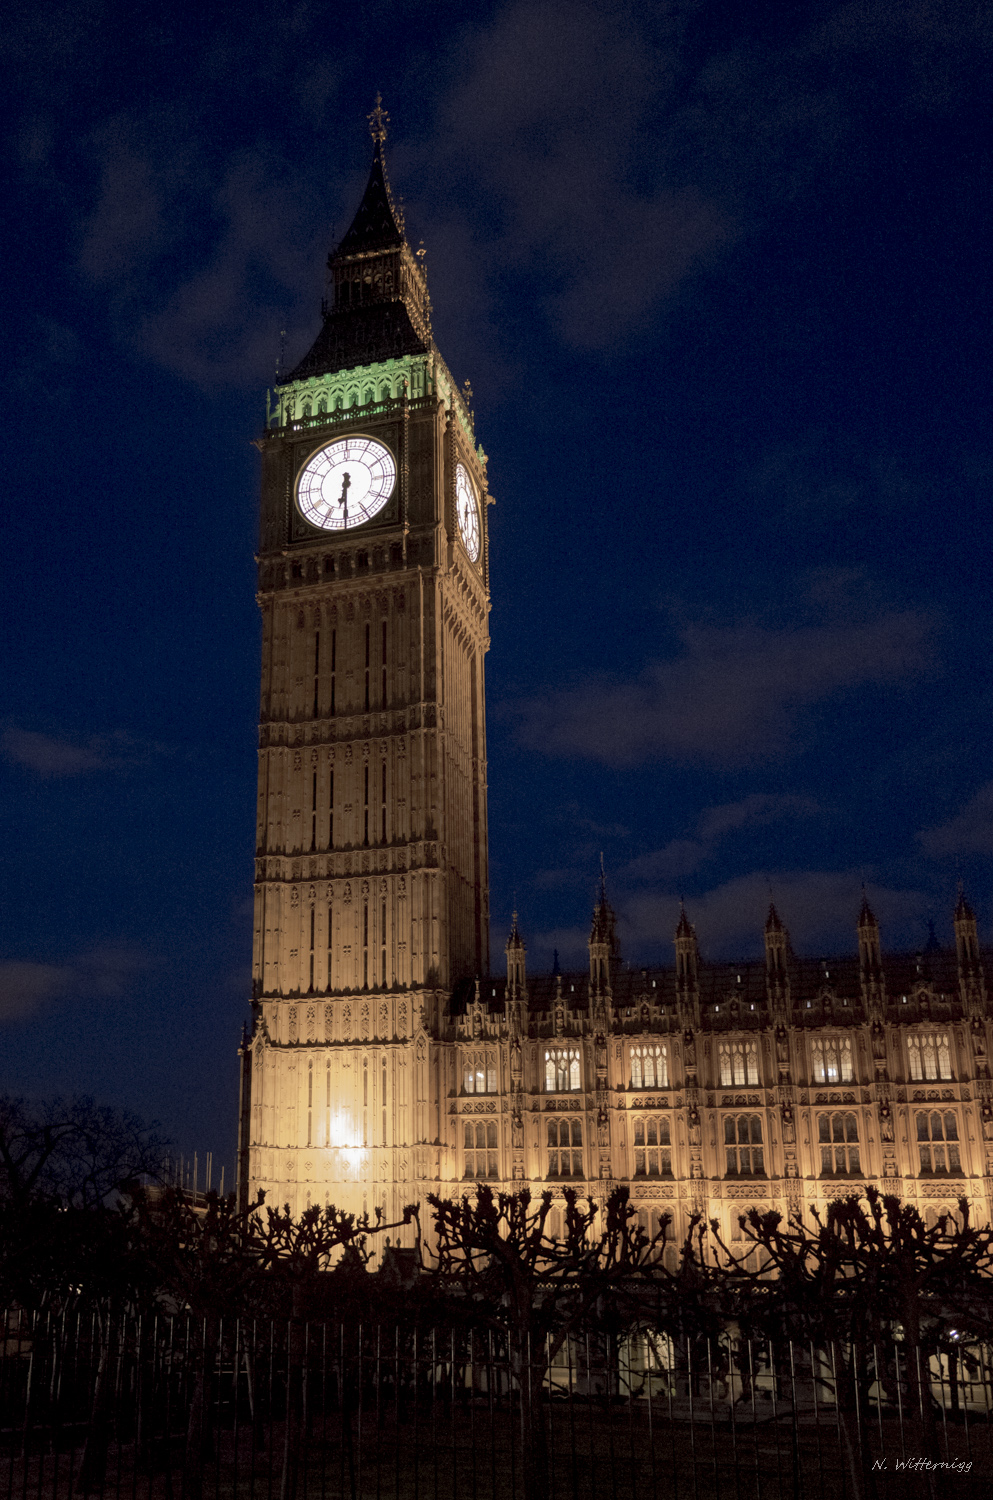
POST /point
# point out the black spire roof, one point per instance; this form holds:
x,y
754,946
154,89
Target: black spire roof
x,y
377,224
378,307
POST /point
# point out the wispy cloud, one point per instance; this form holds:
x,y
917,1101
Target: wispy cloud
x,y
203,261
682,856
733,696
819,908
603,154
52,756
106,972
969,832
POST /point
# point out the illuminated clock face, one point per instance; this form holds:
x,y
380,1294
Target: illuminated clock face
x,y
467,510
346,484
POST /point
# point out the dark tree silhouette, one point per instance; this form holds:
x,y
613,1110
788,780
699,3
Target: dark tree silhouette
x,y
73,1151
868,1272
497,1260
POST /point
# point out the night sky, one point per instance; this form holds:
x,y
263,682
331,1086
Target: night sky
x,y
719,276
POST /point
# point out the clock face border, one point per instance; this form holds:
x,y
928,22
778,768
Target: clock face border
x,y
388,477
463,479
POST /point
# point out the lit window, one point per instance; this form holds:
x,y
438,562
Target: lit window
x,y
565,1148
930,1055
739,1063
838,1137
743,1145
649,1068
652,1148
562,1070
479,1074
480,1149
832,1060
937,1141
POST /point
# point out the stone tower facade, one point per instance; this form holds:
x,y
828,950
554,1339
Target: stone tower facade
x,y
371,895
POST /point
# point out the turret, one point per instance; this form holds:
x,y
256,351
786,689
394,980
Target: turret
x,y
687,970
777,979
966,934
516,972
868,935
972,983
604,947
870,962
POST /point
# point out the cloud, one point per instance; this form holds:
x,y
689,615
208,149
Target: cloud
x,y
547,128
819,908
105,972
587,159
203,260
25,987
733,696
48,755
683,856
969,832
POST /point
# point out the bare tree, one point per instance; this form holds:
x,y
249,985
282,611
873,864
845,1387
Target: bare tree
x,y
72,1151
866,1274
496,1257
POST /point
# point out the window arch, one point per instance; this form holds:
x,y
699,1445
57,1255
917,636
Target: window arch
x,y
479,1073
743,1145
565,1148
563,1074
832,1059
652,1147
649,1067
838,1138
480,1147
930,1055
937,1141
739,1063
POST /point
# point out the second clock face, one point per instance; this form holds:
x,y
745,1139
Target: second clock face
x,y
467,510
346,483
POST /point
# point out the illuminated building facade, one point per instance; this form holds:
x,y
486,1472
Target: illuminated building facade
x,y
381,1067
779,1082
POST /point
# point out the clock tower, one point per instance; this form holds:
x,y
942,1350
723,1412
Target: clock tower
x,y
371,850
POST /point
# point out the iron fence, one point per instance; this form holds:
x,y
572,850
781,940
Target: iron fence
x,y
174,1408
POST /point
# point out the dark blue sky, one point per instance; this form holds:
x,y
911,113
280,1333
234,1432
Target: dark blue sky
x,y
721,285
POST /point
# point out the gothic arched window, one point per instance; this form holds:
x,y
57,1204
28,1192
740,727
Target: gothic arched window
x,y
937,1141
480,1146
930,1056
565,1148
838,1138
743,1145
649,1067
652,1147
832,1060
562,1070
739,1063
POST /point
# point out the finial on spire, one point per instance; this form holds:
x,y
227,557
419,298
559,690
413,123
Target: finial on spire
x,y
378,119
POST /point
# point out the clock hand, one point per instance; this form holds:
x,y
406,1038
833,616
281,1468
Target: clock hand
x,y
345,482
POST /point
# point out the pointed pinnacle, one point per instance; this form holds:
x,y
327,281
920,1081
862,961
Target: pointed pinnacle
x,y
378,119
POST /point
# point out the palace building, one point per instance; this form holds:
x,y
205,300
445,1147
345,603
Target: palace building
x,y
384,1062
